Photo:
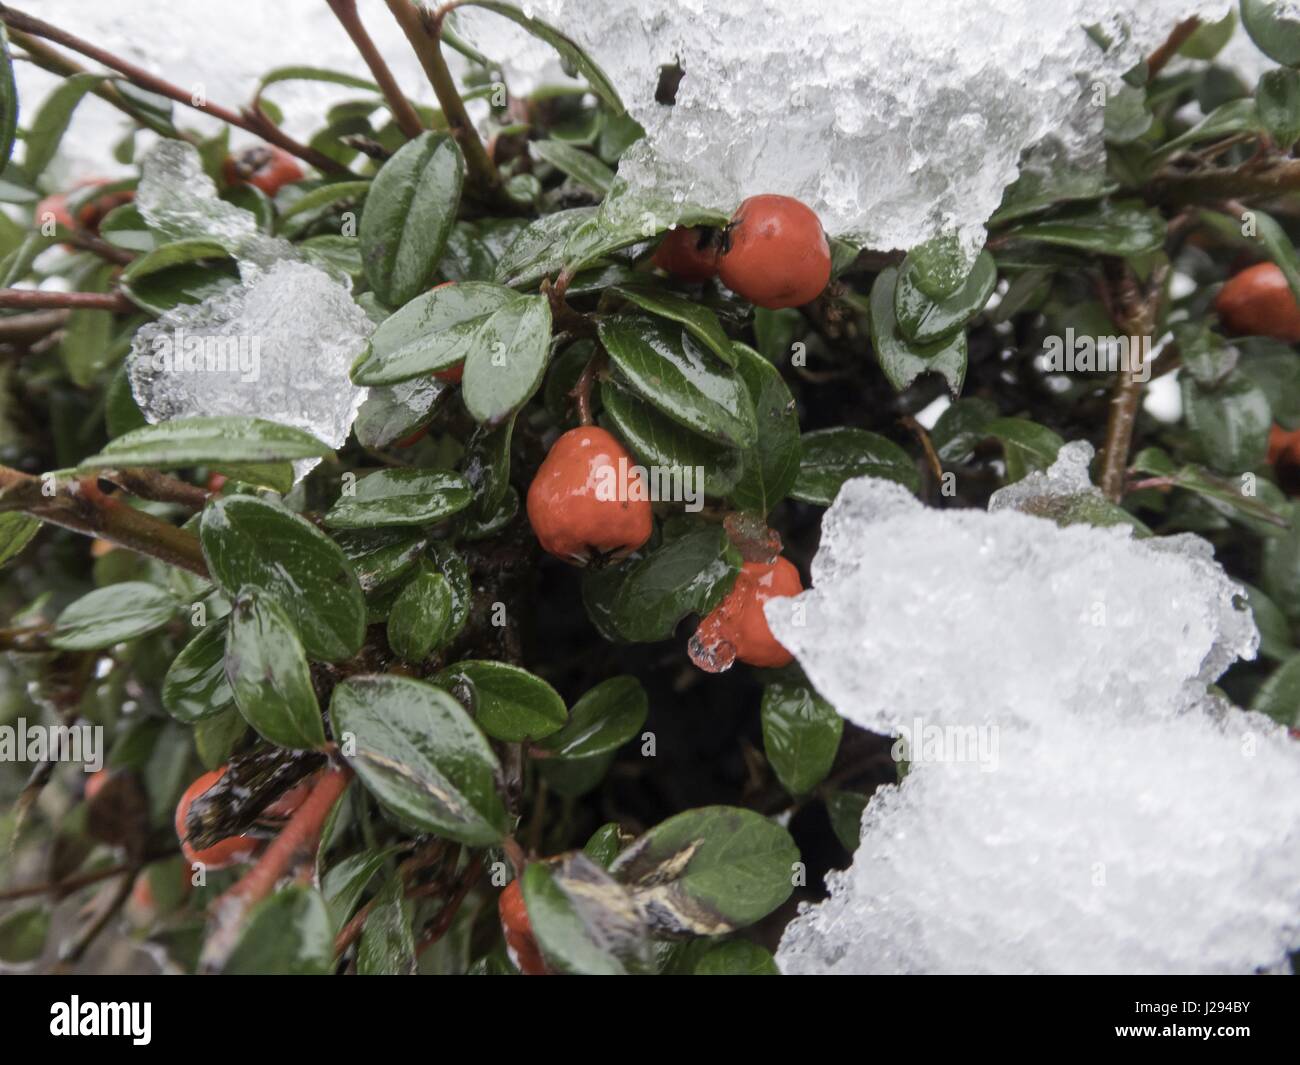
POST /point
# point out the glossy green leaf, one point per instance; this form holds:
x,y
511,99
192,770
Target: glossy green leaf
x,y
538,251
268,674
409,213
663,364
195,686
709,871
832,456
417,751
1279,696
508,702
1123,228
698,319
1027,445
400,497
344,884
801,735
420,619
506,359
605,718
903,362
604,845
112,614
207,441
432,332
643,599
657,440
1278,100
771,466
845,811
254,543
582,167
924,320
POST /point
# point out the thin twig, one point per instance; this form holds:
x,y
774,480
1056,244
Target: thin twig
x,y
254,123
423,30
36,299
1176,39
442,923
79,505
405,114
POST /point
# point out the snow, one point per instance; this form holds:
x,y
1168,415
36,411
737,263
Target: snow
x,y
896,122
1127,821
277,346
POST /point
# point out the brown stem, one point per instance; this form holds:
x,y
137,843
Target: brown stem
x,y
24,328
1275,177
34,299
1137,314
295,843
18,20
99,246
407,118
80,506
158,487
424,32
581,391
927,445
92,931
515,853
1176,39
65,886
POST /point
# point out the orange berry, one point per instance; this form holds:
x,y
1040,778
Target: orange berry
x,y
775,253
688,254
589,498
265,167
1258,302
737,628
96,781
521,944
222,853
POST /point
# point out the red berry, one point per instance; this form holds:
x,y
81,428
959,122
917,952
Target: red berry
x,y
737,627
688,254
91,212
96,781
1283,445
776,253
589,498
222,853
216,482
1258,302
266,167
520,941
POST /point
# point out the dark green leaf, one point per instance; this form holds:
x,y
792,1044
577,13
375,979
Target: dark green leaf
x,y
432,332
901,361
207,441
771,466
51,120
345,883
195,686
709,871
409,213
22,934
832,456
642,600
508,703
259,544
924,320
1027,445
664,365
582,166
268,674
960,428
400,497
801,735
1124,228
506,359
845,810
1278,100
699,321
112,614
736,957
1279,697
1230,423
8,101
419,754
16,532
605,718
538,251
420,619
388,941
1274,28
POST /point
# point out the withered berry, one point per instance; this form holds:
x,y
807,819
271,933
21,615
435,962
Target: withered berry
x,y
265,167
689,254
222,853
